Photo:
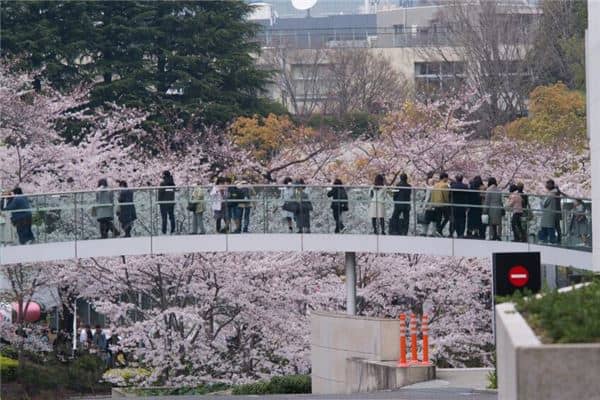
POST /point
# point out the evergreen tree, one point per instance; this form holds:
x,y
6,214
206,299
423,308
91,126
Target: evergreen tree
x,y
187,62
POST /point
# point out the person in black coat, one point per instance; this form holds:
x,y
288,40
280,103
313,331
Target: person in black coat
x,y
475,228
166,201
303,209
21,216
401,214
459,197
339,203
126,211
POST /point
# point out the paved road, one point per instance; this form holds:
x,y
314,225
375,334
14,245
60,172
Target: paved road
x,y
402,394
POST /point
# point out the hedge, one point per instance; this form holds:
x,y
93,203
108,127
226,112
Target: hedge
x,y
568,317
8,369
278,385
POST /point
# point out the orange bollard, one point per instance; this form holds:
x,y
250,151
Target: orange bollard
x,y
425,331
402,356
413,339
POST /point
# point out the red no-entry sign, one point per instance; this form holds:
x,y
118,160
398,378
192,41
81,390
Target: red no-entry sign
x,y
516,271
518,276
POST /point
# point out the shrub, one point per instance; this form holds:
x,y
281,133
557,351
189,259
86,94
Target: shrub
x,y
179,391
260,387
278,385
9,351
85,372
126,376
569,317
291,384
8,369
36,378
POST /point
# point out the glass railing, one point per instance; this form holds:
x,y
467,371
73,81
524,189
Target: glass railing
x,y
59,217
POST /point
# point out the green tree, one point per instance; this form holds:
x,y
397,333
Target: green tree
x,y
556,117
558,52
189,62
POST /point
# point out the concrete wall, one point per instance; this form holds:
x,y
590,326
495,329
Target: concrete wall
x,y
313,242
592,64
529,370
369,376
337,337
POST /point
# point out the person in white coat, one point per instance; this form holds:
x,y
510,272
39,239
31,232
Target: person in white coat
x,y
217,199
378,196
7,231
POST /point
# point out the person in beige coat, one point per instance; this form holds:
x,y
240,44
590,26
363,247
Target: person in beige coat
x,y
197,203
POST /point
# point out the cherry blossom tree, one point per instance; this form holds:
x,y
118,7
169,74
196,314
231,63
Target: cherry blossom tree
x,y
237,317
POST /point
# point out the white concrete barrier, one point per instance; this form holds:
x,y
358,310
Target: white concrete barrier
x,y
530,370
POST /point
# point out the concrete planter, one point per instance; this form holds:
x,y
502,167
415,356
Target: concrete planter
x,y
530,370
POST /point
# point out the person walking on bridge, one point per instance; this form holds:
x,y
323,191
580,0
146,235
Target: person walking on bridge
x,y
166,201
126,209
339,203
548,223
494,209
104,209
302,214
377,193
459,197
197,208
440,199
401,213
21,216
287,194
515,204
475,228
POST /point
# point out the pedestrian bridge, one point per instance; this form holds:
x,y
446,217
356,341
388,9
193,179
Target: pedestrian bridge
x,y
65,226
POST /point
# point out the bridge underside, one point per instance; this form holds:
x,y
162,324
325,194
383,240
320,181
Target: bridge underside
x,y
180,244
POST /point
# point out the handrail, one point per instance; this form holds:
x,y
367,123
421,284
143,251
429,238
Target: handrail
x,y
347,187
59,216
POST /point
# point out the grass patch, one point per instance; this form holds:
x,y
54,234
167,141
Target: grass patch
x,y
568,317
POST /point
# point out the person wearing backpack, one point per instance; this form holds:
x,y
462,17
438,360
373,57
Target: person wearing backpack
x,y
401,213
339,203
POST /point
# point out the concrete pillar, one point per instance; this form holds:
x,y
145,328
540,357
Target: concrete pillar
x,y
350,283
549,274
592,66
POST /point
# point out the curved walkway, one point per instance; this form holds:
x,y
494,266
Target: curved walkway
x,y
65,225
285,242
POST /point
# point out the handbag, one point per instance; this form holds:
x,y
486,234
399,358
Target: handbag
x,y
291,206
192,206
485,219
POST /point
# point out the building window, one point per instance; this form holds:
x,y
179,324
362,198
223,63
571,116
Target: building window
x,y
433,77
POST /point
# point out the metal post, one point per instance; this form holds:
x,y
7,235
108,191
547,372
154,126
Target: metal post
x,y
350,283
75,325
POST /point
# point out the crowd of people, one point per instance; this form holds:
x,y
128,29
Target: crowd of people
x,y
100,342
445,207
474,210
